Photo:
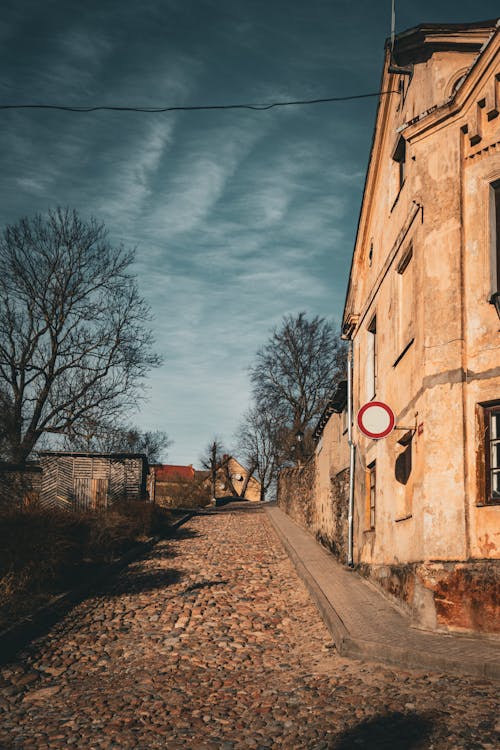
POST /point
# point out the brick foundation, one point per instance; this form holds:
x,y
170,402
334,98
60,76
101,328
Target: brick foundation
x,y
444,595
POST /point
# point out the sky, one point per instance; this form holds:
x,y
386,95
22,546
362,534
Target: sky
x,y
238,217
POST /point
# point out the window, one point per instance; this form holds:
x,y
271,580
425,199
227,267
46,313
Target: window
x,y
371,359
405,301
399,157
495,236
345,420
370,496
492,453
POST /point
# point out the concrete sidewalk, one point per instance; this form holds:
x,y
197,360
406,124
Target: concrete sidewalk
x,y
364,624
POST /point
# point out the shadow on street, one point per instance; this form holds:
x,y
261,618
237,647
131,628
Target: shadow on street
x,y
387,732
110,581
140,581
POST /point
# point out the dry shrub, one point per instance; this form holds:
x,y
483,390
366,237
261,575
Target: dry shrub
x,y
46,551
183,493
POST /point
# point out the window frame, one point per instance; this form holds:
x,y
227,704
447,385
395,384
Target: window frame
x,y
495,237
488,410
371,341
405,302
399,156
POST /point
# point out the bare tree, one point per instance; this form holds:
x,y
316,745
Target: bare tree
x,y
258,442
74,341
216,460
108,438
295,373
6,426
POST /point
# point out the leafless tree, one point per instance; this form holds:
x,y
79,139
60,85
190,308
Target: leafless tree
x,y
108,438
210,461
74,339
295,373
6,426
216,460
258,443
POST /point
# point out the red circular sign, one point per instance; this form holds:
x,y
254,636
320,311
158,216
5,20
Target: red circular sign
x,y
376,420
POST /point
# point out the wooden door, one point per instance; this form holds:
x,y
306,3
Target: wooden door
x,y
91,494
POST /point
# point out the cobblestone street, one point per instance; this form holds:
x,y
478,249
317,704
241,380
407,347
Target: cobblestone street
x,y
213,642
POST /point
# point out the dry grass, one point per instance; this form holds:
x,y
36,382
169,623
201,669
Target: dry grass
x,y
44,552
183,493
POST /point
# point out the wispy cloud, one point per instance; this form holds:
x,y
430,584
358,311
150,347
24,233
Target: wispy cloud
x,y
239,217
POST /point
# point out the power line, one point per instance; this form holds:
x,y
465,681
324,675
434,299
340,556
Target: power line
x,y
256,107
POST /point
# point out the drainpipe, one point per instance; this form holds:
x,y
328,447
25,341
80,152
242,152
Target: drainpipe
x,y
350,515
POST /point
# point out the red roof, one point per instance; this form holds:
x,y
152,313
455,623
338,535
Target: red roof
x,y
167,472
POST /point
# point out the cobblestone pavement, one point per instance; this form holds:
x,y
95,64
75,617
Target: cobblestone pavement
x,y
212,642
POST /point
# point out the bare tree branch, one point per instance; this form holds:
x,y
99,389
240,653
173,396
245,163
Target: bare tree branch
x,y
74,337
294,374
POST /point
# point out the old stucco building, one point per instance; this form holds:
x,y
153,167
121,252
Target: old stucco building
x,y
421,317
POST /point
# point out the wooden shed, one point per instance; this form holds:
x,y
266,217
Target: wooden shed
x,y
85,481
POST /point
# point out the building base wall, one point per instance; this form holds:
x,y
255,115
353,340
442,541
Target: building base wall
x,y
455,596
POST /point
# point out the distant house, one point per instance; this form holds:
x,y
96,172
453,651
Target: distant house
x,y
84,481
172,473
234,476
167,481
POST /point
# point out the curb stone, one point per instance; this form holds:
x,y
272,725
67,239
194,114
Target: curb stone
x,y
402,646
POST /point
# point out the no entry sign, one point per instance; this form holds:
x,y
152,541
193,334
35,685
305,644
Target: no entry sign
x,y
376,420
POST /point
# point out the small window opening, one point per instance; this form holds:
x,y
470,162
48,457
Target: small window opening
x,y
371,491
400,158
496,238
372,358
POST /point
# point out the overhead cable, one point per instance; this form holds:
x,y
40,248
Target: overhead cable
x,y
256,107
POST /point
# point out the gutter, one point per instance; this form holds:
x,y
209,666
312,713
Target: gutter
x,y
352,454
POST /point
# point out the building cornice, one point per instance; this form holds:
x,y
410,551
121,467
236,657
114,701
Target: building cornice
x,y
455,105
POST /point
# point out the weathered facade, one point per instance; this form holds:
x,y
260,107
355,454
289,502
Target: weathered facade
x,y
422,313
91,481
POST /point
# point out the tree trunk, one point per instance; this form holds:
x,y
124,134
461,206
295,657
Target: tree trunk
x,y
227,476
248,478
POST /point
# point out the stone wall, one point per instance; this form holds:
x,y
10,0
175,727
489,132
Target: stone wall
x,y
325,519
296,493
330,528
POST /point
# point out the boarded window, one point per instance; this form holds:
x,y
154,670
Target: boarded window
x,y
405,301
370,485
400,159
371,359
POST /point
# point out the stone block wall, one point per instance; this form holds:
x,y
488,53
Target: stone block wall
x,y
299,498
296,493
330,528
